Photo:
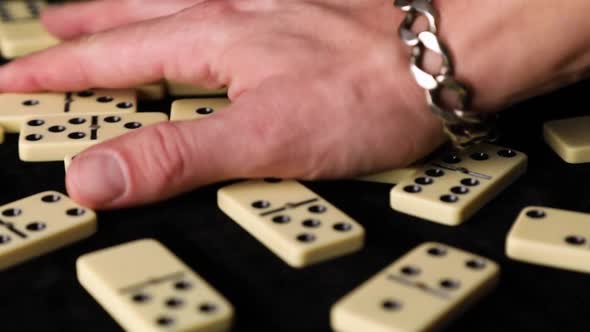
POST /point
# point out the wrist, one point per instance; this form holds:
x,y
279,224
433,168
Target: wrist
x,y
432,67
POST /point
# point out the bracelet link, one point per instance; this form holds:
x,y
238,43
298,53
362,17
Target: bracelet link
x,y
428,41
422,7
464,128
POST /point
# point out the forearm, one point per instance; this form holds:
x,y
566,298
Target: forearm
x,y
509,50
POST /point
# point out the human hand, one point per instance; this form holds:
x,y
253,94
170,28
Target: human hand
x,y
320,89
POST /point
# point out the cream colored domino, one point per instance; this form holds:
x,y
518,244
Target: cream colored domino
x,y
197,108
569,138
551,237
422,291
52,137
152,91
38,224
24,38
290,220
392,176
181,89
21,31
450,189
19,10
103,101
146,288
17,106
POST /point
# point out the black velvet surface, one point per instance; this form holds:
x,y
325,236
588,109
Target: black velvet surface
x,y
43,294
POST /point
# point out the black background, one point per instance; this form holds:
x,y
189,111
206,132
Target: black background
x,y
44,295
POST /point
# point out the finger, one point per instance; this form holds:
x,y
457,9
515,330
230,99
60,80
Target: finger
x,y
170,158
71,20
122,57
74,19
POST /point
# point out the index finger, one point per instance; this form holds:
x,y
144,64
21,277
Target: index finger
x,y
74,19
127,56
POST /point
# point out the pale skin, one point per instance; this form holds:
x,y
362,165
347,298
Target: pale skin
x,y
319,88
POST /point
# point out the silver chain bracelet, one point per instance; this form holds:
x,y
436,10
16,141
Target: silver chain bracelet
x,y
464,128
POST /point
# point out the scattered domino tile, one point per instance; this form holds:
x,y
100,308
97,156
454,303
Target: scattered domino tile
x,y
52,137
180,89
41,223
152,91
290,220
146,288
21,31
569,138
421,291
197,108
15,10
551,237
17,106
393,176
449,190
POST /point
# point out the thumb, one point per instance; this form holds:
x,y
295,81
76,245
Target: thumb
x,y
166,159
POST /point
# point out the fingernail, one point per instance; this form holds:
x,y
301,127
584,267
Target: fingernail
x,y
98,178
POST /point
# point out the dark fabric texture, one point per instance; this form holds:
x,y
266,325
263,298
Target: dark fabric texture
x,y
44,295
